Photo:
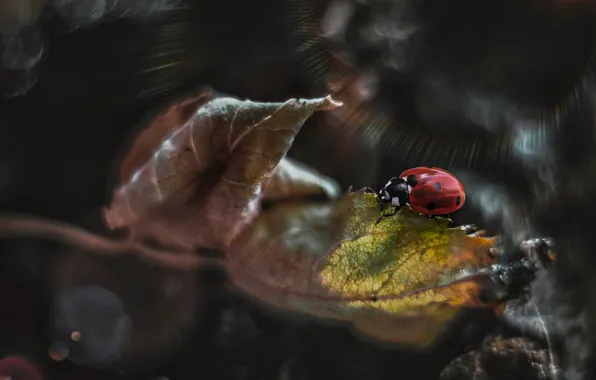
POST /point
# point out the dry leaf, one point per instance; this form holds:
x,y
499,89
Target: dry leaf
x,y
204,182
148,140
499,358
292,179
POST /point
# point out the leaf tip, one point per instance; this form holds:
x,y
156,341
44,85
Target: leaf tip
x,y
329,103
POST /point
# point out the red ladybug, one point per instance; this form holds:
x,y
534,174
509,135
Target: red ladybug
x,y
430,191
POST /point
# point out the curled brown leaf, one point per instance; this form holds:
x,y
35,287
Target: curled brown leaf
x,y
204,182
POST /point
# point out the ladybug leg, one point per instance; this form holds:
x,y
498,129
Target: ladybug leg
x,y
386,215
435,218
370,190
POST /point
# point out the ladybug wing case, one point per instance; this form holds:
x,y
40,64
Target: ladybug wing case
x,y
437,192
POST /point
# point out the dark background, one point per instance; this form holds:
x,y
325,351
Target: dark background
x,y
61,140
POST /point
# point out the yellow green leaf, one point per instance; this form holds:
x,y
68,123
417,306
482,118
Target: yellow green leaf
x,y
401,280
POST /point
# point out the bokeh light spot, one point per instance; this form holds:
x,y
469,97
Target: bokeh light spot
x,y
58,351
89,326
18,368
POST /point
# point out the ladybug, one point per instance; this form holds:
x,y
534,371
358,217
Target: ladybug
x,y
430,191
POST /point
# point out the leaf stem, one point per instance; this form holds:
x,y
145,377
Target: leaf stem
x,y
20,226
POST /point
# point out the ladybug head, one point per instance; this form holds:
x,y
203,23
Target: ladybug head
x,y
395,188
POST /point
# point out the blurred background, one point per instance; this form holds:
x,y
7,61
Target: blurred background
x,y
500,92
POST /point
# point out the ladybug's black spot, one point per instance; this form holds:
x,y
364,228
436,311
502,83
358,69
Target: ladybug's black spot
x,y
457,200
411,180
431,206
437,186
